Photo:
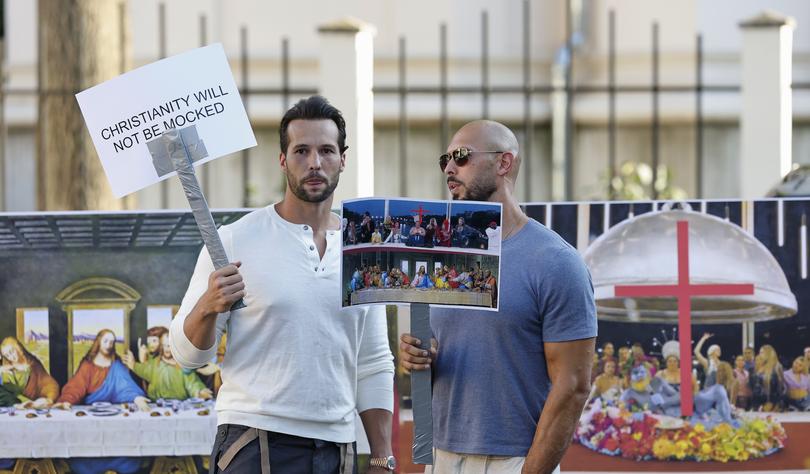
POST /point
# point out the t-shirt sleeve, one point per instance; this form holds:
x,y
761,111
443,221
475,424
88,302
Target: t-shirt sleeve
x,y
568,309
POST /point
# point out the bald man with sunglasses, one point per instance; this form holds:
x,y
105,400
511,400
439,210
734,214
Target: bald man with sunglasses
x,y
508,387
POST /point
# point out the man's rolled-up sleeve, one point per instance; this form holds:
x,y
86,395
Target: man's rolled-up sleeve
x,y
184,351
375,367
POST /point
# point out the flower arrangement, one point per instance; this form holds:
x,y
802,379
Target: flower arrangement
x,y
616,431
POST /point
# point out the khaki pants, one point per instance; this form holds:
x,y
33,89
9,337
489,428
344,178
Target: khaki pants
x,y
445,462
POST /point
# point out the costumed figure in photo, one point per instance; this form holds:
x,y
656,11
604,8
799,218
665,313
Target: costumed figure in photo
x,y
709,365
366,229
624,366
350,235
643,395
395,236
748,356
493,237
742,376
445,234
24,382
672,369
807,359
376,236
798,386
431,237
387,227
638,357
655,394
607,354
608,386
416,236
767,382
465,236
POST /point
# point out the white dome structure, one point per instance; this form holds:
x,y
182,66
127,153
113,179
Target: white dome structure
x,y
643,250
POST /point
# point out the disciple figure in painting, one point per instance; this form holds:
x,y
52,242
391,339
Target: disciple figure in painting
x,y
24,379
165,377
152,348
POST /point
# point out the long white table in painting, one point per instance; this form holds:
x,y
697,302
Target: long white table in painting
x,y
186,432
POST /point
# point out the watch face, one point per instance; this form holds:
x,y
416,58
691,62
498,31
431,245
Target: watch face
x,y
391,463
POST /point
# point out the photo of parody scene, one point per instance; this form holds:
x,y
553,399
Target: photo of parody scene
x,y
409,251
423,224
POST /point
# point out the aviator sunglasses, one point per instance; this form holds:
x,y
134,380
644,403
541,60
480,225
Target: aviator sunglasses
x,y
460,155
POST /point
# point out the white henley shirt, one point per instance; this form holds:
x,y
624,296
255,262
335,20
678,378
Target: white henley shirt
x,y
295,361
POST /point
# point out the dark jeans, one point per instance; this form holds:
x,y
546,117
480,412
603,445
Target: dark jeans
x,y
288,454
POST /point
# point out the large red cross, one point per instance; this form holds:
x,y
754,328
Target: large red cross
x,y
684,291
419,211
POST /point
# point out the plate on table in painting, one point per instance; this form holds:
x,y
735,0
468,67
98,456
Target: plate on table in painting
x,y
105,411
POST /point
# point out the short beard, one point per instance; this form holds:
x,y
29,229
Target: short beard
x,y
478,189
297,188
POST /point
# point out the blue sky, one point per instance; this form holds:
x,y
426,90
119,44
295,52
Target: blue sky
x,y
460,208
375,207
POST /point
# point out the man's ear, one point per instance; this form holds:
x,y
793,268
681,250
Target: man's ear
x,y
506,163
282,161
343,160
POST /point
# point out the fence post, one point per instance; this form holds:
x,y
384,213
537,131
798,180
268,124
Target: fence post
x,y
346,78
559,133
766,120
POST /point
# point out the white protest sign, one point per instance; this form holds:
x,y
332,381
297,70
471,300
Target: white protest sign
x,y
192,88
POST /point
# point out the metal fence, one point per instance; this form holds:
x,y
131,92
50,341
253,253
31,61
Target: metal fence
x,y
487,91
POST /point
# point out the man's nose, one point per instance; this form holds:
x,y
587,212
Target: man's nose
x,y
450,169
314,160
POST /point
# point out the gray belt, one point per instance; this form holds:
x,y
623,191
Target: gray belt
x,y
346,452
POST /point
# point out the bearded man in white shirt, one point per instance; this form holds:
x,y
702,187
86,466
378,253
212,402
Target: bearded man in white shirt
x,y
296,366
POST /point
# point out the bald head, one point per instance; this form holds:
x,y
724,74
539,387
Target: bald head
x,y
492,136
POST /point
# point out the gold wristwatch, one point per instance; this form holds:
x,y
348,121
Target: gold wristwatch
x,y
388,463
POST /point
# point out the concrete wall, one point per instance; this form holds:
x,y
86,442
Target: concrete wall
x,y
269,21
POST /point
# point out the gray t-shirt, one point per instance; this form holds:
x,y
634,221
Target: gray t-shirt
x,y
490,377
